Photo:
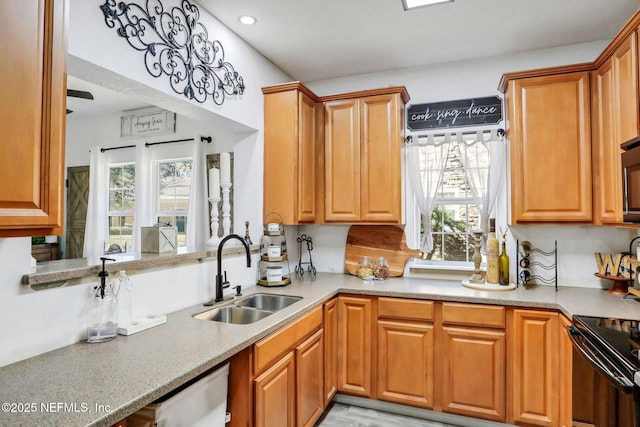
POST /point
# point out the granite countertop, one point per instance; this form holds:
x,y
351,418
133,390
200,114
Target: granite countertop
x,y
99,384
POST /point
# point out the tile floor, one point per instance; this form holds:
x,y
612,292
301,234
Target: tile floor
x,y
341,415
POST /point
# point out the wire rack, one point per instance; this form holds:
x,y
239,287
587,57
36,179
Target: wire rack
x,y
535,264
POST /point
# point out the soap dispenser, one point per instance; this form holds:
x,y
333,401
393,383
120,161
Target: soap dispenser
x,y
102,322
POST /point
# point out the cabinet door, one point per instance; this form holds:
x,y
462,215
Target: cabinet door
x,y
566,373
289,154
405,363
309,380
342,161
330,349
534,368
354,345
625,65
275,394
32,117
306,197
606,149
550,142
381,121
473,375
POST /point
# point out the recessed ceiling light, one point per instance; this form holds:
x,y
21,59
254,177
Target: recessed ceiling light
x,y
247,20
410,4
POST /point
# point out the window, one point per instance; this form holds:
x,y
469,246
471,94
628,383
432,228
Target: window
x,y
122,203
173,185
455,213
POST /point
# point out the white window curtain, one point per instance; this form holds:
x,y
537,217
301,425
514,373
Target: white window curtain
x,y
425,162
96,228
143,216
197,210
484,183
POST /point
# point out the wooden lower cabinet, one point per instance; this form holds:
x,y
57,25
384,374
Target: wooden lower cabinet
x,y
355,345
501,364
310,395
330,349
275,394
473,372
566,373
405,363
533,380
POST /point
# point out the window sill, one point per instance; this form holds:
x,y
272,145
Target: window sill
x,y
53,274
439,271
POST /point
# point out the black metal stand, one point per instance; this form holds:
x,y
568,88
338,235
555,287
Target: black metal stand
x,y
524,266
310,267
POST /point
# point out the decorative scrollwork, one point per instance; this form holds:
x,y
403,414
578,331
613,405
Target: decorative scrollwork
x,y
177,45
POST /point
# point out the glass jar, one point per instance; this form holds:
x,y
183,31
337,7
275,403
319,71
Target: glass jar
x,y
381,269
365,268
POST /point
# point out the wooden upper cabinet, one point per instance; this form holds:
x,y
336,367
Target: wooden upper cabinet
x,y
606,152
625,65
363,162
381,179
549,133
292,143
32,117
342,160
615,120
335,158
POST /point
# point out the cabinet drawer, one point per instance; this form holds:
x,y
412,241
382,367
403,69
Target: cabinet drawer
x,y
400,308
473,314
270,348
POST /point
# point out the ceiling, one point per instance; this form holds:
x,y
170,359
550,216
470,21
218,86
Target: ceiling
x,y
314,40
105,101
321,39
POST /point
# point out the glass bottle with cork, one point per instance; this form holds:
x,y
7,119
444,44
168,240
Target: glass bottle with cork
x,y
504,260
493,265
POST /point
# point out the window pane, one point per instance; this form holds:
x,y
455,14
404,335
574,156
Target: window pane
x,y
120,231
174,184
456,247
115,200
122,188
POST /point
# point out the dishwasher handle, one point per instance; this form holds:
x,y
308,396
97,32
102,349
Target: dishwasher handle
x,y
595,359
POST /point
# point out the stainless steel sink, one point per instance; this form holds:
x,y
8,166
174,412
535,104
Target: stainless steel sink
x,y
269,302
233,314
249,309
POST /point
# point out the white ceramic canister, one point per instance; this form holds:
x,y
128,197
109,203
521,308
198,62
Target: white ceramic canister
x,y
273,251
274,274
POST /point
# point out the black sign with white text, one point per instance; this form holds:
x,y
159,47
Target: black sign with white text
x,y
449,114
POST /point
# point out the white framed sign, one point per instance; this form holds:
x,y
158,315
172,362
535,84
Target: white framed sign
x,y
146,122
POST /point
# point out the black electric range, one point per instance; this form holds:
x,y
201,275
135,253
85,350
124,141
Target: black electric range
x,y
612,346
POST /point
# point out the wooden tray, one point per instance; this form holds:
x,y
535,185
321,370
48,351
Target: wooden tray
x,y
377,241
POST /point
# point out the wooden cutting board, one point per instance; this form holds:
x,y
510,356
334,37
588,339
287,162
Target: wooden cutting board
x,y
377,241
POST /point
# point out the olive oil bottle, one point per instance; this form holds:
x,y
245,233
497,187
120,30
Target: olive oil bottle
x,y
504,261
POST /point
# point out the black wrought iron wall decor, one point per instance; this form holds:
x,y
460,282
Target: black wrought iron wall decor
x,y
175,44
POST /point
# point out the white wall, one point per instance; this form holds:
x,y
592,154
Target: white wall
x,y
479,78
45,320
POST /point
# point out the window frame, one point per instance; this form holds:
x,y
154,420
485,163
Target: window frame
x,y
157,213
414,218
122,213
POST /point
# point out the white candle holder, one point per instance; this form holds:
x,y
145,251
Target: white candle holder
x,y
214,239
226,208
